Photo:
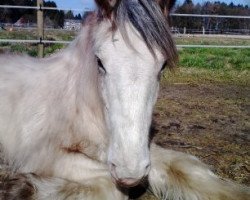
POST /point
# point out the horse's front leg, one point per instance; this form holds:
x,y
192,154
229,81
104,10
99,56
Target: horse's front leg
x,y
73,177
78,167
178,176
92,175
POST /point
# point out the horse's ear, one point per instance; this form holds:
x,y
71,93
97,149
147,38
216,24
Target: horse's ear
x,y
166,6
106,6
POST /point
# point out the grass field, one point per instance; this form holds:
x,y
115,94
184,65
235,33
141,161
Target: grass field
x,y
204,105
212,58
31,49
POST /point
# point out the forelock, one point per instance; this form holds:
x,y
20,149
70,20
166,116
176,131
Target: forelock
x,y
148,19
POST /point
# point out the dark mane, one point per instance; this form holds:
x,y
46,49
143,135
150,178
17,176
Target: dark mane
x,y
148,19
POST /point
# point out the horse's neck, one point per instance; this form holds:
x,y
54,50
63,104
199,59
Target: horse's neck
x,y
77,66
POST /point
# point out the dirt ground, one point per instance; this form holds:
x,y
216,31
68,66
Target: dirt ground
x,y
211,122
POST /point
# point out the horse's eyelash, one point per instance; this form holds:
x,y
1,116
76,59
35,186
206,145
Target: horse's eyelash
x,y
164,66
100,65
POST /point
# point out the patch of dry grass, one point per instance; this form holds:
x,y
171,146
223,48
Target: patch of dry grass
x,y
198,76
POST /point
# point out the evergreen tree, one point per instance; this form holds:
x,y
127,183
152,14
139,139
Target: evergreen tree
x,y
212,8
69,15
8,15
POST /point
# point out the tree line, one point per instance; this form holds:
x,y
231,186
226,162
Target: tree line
x,y
54,17
213,8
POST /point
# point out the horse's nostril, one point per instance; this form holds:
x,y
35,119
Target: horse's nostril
x,y
112,166
148,167
113,170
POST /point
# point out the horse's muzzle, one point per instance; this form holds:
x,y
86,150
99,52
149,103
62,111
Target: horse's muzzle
x,y
127,181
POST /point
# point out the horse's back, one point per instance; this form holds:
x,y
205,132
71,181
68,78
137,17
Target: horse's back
x,y
21,79
16,70
18,74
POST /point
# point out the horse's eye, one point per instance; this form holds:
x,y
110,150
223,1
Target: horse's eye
x,y
162,69
163,66
101,68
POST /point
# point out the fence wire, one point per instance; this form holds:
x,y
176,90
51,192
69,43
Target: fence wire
x,y
34,41
88,9
211,16
44,8
68,42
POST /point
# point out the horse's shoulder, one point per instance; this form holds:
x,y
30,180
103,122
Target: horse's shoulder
x,y
16,63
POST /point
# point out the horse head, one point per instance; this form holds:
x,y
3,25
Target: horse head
x,y
133,44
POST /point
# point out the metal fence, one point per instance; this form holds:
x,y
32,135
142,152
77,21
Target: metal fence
x,y
179,31
40,7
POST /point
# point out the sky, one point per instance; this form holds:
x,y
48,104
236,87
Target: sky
x,y
89,4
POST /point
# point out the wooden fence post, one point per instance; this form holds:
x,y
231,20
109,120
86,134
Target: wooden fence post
x,y
40,28
203,30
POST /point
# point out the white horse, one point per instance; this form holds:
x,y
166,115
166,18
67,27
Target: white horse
x,y
76,125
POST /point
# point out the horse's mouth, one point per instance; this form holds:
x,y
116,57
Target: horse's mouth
x,y
127,183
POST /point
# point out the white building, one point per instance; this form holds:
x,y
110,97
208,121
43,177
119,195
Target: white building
x,y
72,24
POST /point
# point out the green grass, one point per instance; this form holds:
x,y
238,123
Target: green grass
x,y
21,48
215,58
50,49
196,76
31,49
21,35
32,35
211,40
